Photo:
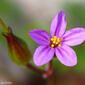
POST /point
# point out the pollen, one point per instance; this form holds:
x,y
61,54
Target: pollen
x,y
61,38
55,37
52,39
55,41
52,45
59,45
58,39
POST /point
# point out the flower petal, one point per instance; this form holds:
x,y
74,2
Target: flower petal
x,y
40,36
58,24
66,55
74,36
43,55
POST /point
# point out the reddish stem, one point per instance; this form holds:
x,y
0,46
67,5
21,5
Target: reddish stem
x,y
45,73
31,67
49,70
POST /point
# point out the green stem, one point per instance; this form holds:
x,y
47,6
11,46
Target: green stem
x,y
5,29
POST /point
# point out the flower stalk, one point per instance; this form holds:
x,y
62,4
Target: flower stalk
x,y
45,73
31,67
49,70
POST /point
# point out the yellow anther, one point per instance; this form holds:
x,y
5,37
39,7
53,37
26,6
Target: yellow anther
x,y
52,39
61,38
55,37
58,39
59,45
52,45
56,42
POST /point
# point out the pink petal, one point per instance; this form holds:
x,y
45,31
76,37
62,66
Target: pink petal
x,y
66,55
74,36
58,24
43,55
40,36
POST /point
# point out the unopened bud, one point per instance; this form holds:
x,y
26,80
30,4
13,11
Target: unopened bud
x,y
17,49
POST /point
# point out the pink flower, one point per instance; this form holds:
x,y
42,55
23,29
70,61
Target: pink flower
x,y
58,42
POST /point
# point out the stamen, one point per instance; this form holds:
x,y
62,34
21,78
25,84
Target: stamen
x,y
52,45
52,39
59,45
55,37
58,39
61,38
56,43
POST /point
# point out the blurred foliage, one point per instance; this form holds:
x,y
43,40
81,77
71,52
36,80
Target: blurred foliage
x,y
8,13
8,10
75,14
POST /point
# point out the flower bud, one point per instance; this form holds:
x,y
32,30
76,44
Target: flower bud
x,y
17,49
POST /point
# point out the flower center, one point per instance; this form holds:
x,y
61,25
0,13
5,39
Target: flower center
x,y
55,41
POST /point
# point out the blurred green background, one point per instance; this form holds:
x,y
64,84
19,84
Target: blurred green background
x,y
25,15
